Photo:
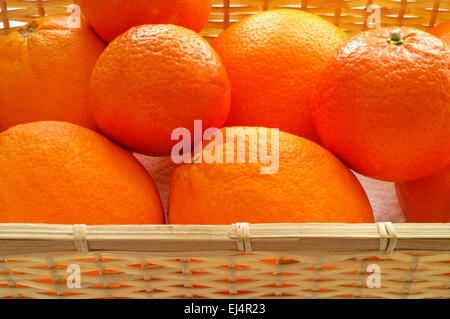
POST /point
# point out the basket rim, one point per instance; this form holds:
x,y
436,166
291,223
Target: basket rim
x,y
21,238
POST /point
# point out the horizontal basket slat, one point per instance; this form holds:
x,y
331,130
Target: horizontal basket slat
x,y
23,238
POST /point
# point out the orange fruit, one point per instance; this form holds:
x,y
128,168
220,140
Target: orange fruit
x,y
110,18
61,173
306,184
442,31
383,104
426,200
153,79
273,60
45,68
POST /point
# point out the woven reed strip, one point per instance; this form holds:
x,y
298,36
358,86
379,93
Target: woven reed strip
x,y
40,6
434,12
351,15
147,277
258,292
340,288
3,11
226,14
303,289
295,276
162,266
264,278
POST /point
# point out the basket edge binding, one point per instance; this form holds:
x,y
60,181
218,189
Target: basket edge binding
x,y
246,238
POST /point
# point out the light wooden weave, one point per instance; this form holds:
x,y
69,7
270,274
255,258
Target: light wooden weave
x,y
237,261
350,15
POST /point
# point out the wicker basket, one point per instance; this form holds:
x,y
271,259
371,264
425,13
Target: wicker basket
x,y
378,260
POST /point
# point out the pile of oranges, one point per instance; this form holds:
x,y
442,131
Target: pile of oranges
x,y
305,103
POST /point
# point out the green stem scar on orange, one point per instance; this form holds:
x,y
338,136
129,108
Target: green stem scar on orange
x,y
28,29
396,38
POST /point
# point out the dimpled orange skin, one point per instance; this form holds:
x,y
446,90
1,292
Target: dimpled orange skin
x,y
110,18
442,31
383,108
154,79
60,173
274,60
426,200
45,74
311,185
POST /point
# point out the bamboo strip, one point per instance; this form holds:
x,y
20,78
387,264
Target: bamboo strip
x,y
4,12
110,274
22,238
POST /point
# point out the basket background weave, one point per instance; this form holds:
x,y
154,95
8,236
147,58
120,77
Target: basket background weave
x,y
235,261
350,15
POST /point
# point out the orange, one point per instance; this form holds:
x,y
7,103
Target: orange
x,y
153,79
45,68
442,31
306,184
274,60
110,18
383,104
426,200
61,173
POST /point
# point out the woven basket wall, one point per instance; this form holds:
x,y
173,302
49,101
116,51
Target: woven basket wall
x,y
236,261
350,15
